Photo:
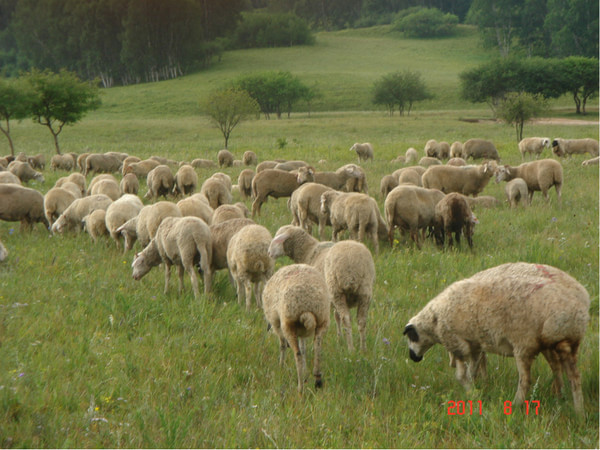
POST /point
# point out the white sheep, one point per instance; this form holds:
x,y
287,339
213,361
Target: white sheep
x,y
411,156
227,212
75,178
141,169
456,150
515,309
225,158
197,206
569,147
179,241
288,166
249,158
18,203
305,206
108,186
427,161
216,192
119,212
480,148
387,183
9,178
71,218
62,162
357,182
245,183
129,184
297,305
249,262
453,215
432,149
200,163
95,224
186,180
467,180
160,181
143,227
102,163
25,172
444,149
338,179
539,175
534,146
516,191
364,151
277,183
591,162
56,201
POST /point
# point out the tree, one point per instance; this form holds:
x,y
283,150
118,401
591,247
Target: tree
x,y
228,107
15,101
518,108
60,99
580,76
497,21
573,27
399,90
426,22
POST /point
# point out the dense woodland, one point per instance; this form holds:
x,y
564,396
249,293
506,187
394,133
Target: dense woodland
x,y
131,41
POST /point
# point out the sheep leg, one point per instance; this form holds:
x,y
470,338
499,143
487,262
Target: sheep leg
x,y
391,235
558,188
375,239
342,309
555,364
361,318
568,356
461,373
248,293
292,339
194,279
283,345
319,333
338,322
524,369
258,288
167,276
180,274
240,289
256,204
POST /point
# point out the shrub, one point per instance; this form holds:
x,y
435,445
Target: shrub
x,y
271,30
426,22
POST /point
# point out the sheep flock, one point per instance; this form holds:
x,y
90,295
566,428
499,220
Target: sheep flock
x,y
177,217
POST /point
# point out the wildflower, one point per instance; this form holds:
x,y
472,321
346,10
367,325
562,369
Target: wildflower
x,y
554,219
386,341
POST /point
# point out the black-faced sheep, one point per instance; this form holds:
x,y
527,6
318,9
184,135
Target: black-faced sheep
x,y
25,172
569,147
225,158
249,262
277,183
245,183
249,158
453,215
119,212
467,180
71,218
534,146
364,151
184,242
56,201
515,309
305,206
160,181
539,175
21,204
480,148
516,191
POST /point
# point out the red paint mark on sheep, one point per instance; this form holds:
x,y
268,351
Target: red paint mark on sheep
x,y
547,274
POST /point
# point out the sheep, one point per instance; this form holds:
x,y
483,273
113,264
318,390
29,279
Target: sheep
x,y
56,201
142,168
184,242
25,172
266,165
590,162
129,184
357,213
245,183
150,218
432,149
387,183
9,178
457,162
479,148
444,148
288,166
98,178
515,309
482,201
216,192
427,161
419,169
62,162
409,176
456,150
569,147
120,211
534,146
411,208
127,162
221,236
249,262
297,306
197,206
539,175
102,163
338,179
228,212
76,178
160,181
224,178
71,218
121,156
37,162
364,151
80,163
225,158
200,163
277,183
25,205
3,252
453,215
94,224
516,190
249,158
348,269
305,206
161,160
357,182
186,180
411,156
106,186
467,180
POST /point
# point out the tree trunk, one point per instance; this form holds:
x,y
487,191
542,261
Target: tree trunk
x,y
7,134
577,103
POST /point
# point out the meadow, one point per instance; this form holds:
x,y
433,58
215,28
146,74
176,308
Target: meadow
x,y
91,358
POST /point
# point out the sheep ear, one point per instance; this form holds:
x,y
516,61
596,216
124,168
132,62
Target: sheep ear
x,y
280,238
474,219
411,332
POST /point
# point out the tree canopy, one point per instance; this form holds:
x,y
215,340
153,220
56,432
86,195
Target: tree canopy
x,y
15,100
518,108
399,90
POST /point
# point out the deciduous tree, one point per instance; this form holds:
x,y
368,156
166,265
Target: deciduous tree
x,y
518,108
15,103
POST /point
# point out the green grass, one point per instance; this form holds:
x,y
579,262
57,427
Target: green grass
x,y
91,358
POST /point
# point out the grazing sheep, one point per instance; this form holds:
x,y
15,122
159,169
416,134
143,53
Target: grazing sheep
x,y
228,212
249,262
216,192
249,158
387,183
296,305
245,183
456,150
266,165
197,206
348,269
409,175
102,163
225,158
419,169
141,169
221,235
160,181
76,178
569,147
186,180
411,208
482,201
453,215
467,180
432,149
427,161
338,179
516,190
3,252
357,182
129,184
457,162
38,161
62,162
357,213
127,162
119,212
592,161
80,163
97,179
515,309
534,146
25,172
305,206
71,218
364,151
479,148
288,166
150,218
277,183
106,186
21,204
411,156
9,178
200,163
539,175
163,161
444,148
56,201
184,242
94,224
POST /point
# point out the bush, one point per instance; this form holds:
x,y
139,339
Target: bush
x,y
426,22
271,30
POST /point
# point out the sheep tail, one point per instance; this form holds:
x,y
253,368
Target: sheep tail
x,y
309,320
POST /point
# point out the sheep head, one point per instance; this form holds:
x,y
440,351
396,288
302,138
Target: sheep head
x,y
145,260
305,174
276,246
326,200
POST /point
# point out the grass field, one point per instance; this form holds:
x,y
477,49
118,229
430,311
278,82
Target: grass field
x,y
91,358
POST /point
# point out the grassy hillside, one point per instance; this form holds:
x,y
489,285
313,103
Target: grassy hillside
x,y
91,358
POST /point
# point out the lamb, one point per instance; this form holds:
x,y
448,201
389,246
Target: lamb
x,y
427,161
228,212
160,181
297,305
569,147
102,163
515,309
411,208
364,151
249,262
357,213
25,172
94,224
72,217
62,162
534,146
184,242
216,192
56,201
387,183
249,158
348,269
197,206
338,179
38,161
25,205
453,215
119,212
245,183
590,162
467,180
76,178
411,156
9,178
516,190
479,148
129,184
539,175
305,205
3,252
106,186
277,183
456,150
141,169
186,180
225,158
